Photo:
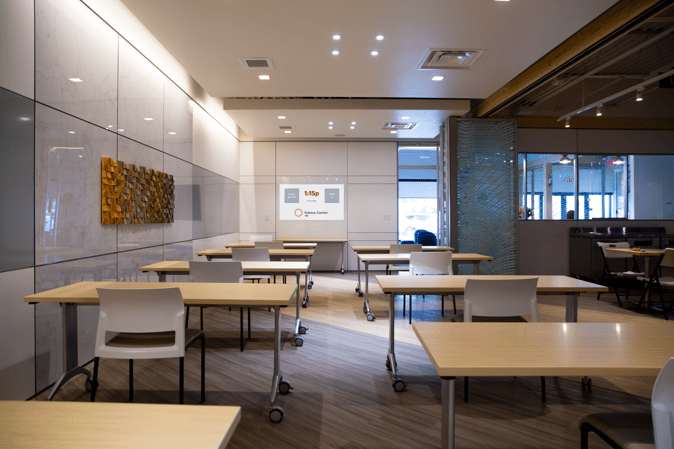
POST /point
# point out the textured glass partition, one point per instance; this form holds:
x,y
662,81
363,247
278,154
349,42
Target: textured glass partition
x,y
486,212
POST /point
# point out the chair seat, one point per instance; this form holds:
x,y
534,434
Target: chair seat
x,y
631,274
151,339
629,430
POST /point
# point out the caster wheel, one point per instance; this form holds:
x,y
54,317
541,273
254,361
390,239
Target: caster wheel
x,y
284,387
586,384
309,286
399,385
370,317
299,341
357,290
276,414
303,329
365,311
388,364
360,294
90,385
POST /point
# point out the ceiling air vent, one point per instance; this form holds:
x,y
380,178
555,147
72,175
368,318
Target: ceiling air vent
x,y
257,63
399,125
285,127
436,58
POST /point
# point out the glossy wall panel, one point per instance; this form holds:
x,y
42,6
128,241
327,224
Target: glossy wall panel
x,y
181,229
16,181
178,118
17,47
68,154
72,44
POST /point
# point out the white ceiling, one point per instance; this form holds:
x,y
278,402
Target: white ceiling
x,y
210,37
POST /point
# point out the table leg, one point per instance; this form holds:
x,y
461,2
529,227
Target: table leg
x,y
71,367
311,277
366,304
476,267
572,308
343,250
396,382
162,276
358,290
447,416
299,341
307,286
276,413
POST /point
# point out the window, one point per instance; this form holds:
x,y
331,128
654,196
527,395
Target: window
x,y
417,190
547,186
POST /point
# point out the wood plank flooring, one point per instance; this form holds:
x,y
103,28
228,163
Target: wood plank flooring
x,y
342,395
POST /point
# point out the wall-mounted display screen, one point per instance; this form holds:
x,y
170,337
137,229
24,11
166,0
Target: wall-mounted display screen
x,y
311,202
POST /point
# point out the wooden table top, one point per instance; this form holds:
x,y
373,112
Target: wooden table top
x,y
547,349
249,267
300,240
375,249
310,245
194,293
405,257
272,252
457,284
85,425
648,252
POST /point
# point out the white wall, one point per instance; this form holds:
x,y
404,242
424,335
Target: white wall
x,y
370,170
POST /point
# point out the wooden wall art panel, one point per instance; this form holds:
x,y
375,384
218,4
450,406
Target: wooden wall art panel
x,y
132,194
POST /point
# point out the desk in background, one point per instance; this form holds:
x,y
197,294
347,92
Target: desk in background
x,y
305,240
194,294
182,267
309,245
404,258
85,425
540,349
456,284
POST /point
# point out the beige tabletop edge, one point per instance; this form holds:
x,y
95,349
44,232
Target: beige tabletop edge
x,y
386,248
641,252
85,425
272,252
405,257
248,266
194,293
546,349
457,283
303,240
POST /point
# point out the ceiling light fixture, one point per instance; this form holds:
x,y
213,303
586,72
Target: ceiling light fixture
x,y
438,78
281,117
394,132
374,52
565,160
353,123
148,119
405,117
336,37
71,132
640,92
287,131
335,52
380,37
567,125
599,106
329,127
619,161
331,123
76,80
172,133
264,77
353,127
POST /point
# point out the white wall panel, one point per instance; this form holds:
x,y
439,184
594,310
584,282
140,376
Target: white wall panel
x,y
214,147
17,364
257,210
625,142
311,159
372,158
548,141
373,179
17,72
258,159
372,208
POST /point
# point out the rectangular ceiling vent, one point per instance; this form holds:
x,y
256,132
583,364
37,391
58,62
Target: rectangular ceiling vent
x,y
436,58
285,127
257,63
399,125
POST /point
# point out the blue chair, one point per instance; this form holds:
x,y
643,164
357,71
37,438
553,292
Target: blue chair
x,y
424,237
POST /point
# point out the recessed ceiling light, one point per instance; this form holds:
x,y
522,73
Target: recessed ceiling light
x,y
405,117
336,37
380,37
120,130
394,132
264,77
172,132
374,52
149,119
329,127
76,80
353,123
438,78
287,131
281,117
330,123
502,0
71,132
353,127
335,52
24,119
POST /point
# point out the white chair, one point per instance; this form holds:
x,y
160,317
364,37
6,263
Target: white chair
x,y
430,263
401,248
149,324
625,279
501,300
657,282
252,254
218,271
637,429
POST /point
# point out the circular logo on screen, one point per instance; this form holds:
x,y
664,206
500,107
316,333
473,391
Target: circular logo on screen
x,y
298,212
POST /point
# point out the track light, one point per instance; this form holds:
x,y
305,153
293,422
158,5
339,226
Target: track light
x,y
568,124
619,161
599,106
640,92
565,160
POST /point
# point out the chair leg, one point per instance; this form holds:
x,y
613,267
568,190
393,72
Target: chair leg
x,y
187,316
584,436
201,318
615,290
442,301
404,305
203,368
248,323
410,309
543,396
465,389
241,336
94,381
454,302
130,380
181,382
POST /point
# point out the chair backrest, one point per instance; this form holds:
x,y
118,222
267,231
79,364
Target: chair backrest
x,y
500,297
612,255
404,248
270,245
431,262
426,239
261,238
140,310
668,258
253,254
220,271
662,406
